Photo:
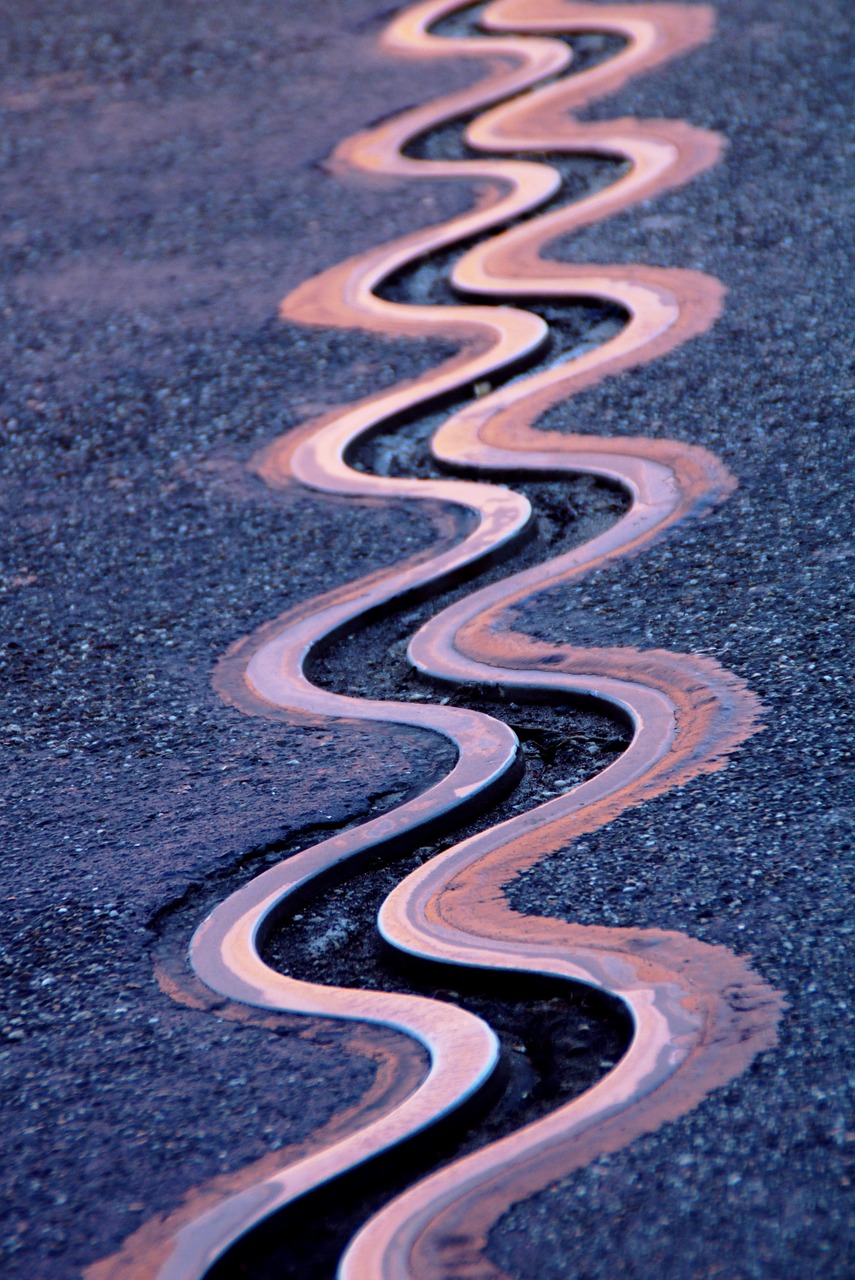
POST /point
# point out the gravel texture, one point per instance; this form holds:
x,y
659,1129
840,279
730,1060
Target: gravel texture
x,y
756,1182
164,190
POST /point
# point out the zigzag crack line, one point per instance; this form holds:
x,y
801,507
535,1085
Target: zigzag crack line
x,y
699,1013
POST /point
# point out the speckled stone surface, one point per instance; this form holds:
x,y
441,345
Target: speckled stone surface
x,y
163,191
756,1182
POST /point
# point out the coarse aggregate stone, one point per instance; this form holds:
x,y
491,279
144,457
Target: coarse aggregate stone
x,y
164,190
757,1181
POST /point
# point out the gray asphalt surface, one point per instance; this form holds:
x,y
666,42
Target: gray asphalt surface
x,y
163,190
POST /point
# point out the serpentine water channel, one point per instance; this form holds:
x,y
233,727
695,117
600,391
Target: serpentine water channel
x,y
680,1017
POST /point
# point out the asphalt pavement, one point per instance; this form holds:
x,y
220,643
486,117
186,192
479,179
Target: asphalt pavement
x,y
163,190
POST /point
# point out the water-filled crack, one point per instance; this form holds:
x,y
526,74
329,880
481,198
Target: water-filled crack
x,y
698,1014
